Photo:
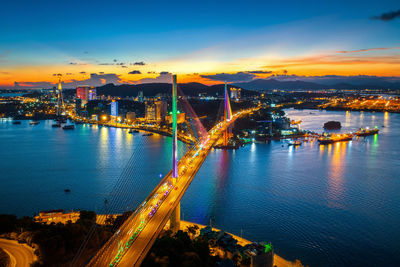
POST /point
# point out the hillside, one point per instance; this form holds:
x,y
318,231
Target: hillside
x,y
151,89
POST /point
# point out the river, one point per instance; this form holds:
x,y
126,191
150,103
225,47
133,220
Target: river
x,y
336,205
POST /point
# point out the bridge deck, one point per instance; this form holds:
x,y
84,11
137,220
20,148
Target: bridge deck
x,y
130,244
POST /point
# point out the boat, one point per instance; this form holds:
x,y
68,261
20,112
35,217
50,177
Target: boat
x,y
69,127
56,125
367,131
16,122
133,131
34,122
148,134
333,138
294,143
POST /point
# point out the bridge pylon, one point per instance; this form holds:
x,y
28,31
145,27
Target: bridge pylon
x,y
227,115
176,214
60,101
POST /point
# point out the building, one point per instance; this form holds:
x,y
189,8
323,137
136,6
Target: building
x,y
56,216
114,108
78,106
156,111
130,116
59,216
235,93
86,93
180,117
140,97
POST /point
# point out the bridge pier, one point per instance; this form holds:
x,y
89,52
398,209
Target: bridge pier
x,y
175,219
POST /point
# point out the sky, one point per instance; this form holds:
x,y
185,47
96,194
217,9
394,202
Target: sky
x,y
98,42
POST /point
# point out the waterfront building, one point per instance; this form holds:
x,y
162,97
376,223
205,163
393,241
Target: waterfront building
x,y
130,116
180,117
114,108
155,111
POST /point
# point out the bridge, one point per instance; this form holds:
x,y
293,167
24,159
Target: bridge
x,y
131,242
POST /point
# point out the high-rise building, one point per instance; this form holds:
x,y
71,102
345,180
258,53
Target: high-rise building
x,y
140,97
235,93
114,108
78,106
156,111
86,93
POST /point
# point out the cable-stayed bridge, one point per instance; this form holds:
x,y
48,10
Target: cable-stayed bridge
x,y
134,238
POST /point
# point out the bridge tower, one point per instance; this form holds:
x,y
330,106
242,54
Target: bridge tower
x,y
227,114
176,214
60,101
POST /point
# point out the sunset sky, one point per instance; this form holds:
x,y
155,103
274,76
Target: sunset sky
x,y
97,42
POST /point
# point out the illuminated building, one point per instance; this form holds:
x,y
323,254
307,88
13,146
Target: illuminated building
x,y
114,108
78,106
180,117
140,97
235,93
131,116
86,93
156,111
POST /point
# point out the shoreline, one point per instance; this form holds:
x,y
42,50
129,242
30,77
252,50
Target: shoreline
x,y
278,261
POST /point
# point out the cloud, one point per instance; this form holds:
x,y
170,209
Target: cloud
x,y
337,79
367,50
259,72
4,72
135,72
106,63
76,63
115,60
141,63
94,80
164,77
230,77
388,16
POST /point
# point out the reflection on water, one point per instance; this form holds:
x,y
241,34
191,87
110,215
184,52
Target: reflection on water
x,y
335,205
326,205
335,177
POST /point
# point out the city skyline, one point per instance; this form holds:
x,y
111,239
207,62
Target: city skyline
x,y
127,42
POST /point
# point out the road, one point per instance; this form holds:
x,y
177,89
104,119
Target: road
x,y
130,244
21,255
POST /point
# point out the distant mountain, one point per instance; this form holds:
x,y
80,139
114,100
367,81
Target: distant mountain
x,y
270,84
152,89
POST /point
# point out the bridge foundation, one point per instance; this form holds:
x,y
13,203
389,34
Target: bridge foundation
x,y
175,219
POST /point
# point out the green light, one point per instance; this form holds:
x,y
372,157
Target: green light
x,y
268,247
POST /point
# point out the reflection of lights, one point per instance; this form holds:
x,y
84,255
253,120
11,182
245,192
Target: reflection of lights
x,y
386,117
253,147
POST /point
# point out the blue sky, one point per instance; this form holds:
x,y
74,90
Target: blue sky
x,y
170,35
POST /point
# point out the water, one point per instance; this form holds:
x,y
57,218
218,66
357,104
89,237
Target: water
x,y
336,205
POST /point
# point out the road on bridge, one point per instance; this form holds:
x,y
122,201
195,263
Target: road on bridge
x,y
131,242
21,255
